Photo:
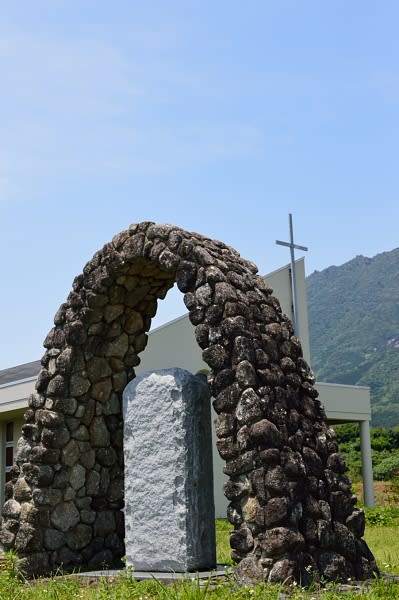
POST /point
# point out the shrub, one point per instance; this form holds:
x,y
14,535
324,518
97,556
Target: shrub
x,y
382,515
387,469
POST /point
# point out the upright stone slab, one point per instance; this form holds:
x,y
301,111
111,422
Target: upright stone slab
x,y
169,507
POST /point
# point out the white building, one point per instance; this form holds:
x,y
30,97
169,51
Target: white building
x,y
174,345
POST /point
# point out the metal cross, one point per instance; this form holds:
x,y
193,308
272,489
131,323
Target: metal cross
x,y
292,247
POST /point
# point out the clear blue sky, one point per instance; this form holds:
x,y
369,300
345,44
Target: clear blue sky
x,y
221,117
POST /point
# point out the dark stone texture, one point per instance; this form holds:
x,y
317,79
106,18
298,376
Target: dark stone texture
x,y
249,572
280,540
334,567
266,433
283,570
275,481
242,540
235,490
356,523
345,541
276,511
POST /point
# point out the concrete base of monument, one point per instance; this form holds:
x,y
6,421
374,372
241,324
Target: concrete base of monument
x,y
219,571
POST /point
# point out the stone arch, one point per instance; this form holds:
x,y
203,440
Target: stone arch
x,y
290,501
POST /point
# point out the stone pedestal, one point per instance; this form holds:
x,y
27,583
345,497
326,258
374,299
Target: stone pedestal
x,y
169,508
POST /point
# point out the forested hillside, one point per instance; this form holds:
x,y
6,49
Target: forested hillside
x,y
354,328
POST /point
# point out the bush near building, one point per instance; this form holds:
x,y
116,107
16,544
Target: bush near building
x,y
384,448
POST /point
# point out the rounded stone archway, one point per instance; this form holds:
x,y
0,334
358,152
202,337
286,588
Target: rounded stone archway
x,y
291,504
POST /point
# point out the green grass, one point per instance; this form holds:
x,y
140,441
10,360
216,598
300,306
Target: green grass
x,y
384,543
382,538
223,549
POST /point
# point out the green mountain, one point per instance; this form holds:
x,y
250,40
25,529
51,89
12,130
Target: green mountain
x,y
353,314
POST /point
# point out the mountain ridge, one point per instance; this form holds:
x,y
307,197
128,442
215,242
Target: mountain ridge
x,y
353,312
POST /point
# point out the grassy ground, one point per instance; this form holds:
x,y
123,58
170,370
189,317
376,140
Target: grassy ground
x,y
223,549
381,535
384,543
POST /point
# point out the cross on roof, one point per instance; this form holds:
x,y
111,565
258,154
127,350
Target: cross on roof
x,y
292,246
